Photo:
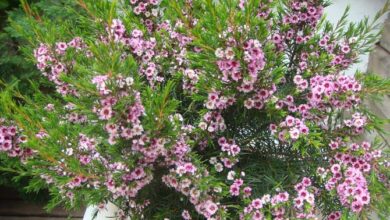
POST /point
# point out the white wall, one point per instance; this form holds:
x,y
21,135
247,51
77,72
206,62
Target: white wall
x,y
359,9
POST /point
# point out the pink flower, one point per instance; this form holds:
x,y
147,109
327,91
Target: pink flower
x,y
138,173
334,145
186,215
234,190
84,159
61,47
257,204
105,113
187,168
290,121
294,133
282,197
276,38
238,182
257,215
335,168
334,216
211,207
234,150
247,192
306,182
298,203
356,206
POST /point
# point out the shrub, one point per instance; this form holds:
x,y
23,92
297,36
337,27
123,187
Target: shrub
x,y
16,32
201,109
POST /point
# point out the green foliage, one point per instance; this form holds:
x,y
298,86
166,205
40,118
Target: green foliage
x,y
270,165
16,31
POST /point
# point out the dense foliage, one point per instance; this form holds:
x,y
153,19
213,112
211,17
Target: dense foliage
x,y
16,32
200,109
15,36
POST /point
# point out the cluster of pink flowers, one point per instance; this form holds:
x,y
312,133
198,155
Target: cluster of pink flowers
x,y
257,207
328,91
263,11
238,188
246,71
228,156
123,86
288,102
10,141
88,155
229,147
185,168
357,122
346,175
341,50
258,100
325,93
304,12
304,202
49,62
212,122
190,79
147,9
291,128
76,182
235,187
208,208
350,185
118,178
353,190
334,215
117,30
217,101
230,68
302,19
254,58
127,183
141,48
301,83
186,184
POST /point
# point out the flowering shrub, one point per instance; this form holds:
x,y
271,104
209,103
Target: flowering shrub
x,y
202,109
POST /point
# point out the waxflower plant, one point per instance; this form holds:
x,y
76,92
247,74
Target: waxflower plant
x,y
202,110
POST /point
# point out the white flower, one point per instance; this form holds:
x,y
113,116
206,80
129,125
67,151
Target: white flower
x,y
229,53
266,198
358,123
217,189
154,12
231,175
256,43
219,53
213,160
210,105
219,167
352,40
129,81
69,151
203,125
